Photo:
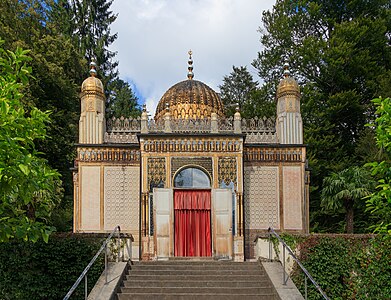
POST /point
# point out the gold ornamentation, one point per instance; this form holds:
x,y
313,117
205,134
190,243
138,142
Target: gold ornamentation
x,y
179,162
272,154
227,170
190,99
192,145
156,172
119,155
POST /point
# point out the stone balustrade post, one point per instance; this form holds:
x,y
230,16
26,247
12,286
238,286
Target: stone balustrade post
x,y
237,121
144,121
167,120
214,128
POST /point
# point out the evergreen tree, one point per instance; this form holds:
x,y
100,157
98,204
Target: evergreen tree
x,y
122,101
237,89
90,28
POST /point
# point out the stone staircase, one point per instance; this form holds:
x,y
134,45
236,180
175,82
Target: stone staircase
x,y
204,279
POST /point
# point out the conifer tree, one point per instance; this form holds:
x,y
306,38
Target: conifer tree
x,y
90,28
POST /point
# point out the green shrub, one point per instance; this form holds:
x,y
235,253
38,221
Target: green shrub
x,y
47,271
346,266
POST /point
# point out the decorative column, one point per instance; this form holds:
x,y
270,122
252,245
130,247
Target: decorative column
x,y
214,128
144,120
239,237
167,120
92,124
289,124
237,121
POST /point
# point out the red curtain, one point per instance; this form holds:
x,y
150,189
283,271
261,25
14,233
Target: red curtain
x,y
192,223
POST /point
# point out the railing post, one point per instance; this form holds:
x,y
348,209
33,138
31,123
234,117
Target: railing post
x,y
106,264
118,244
305,287
85,288
270,246
283,261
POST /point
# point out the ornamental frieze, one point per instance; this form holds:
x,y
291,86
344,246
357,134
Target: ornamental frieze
x,y
108,155
273,154
192,145
179,162
227,170
156,172
121,138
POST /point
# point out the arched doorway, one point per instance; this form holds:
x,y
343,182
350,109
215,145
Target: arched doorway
x,y
192,213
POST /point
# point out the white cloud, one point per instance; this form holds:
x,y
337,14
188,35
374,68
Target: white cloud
x,y
155,35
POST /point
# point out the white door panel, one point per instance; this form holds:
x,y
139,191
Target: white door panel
x,y
163,199
222,222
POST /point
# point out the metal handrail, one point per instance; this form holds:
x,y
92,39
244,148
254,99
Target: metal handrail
x,y
308,275
84,273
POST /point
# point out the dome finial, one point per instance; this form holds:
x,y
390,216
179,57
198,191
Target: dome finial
x,y
190,73
93,68
286,68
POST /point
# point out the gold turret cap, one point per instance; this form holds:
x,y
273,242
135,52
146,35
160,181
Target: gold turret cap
x,y
287,85
92,84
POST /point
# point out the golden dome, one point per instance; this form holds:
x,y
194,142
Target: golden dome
x,y
190,99
287,85
92,84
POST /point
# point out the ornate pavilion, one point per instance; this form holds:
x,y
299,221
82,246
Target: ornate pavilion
x,y
191,182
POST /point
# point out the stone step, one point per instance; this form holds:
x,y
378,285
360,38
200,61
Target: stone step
x,y
195,283
193,262
222,272
195,267
198,280
202,296
197,290
189,277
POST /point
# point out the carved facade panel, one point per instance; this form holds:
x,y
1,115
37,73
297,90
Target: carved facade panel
x,y
293,202
121,191
87,154
193,145
227,170
179,162
261,197
123,124
121,138
156,172
273,154
261,138
90,198
183,125
259,125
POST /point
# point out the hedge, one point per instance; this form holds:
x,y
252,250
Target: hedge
x,y
346,266
47,271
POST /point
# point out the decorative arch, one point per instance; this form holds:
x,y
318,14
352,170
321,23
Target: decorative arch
x,y
192,176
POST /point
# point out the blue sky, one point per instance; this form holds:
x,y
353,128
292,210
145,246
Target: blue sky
x,y
154,37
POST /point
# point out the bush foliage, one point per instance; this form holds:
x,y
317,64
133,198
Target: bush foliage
x,y
346,266
47,271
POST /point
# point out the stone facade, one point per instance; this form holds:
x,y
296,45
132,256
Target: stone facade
x,y
127,170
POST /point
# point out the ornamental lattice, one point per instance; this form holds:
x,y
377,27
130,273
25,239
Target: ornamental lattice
x,y
227,170
156,172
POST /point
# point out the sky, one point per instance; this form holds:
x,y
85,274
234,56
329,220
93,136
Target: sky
x,y
154,37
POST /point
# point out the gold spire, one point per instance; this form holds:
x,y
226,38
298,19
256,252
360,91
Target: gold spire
x,y
190,73
287,85
92,68
286,68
